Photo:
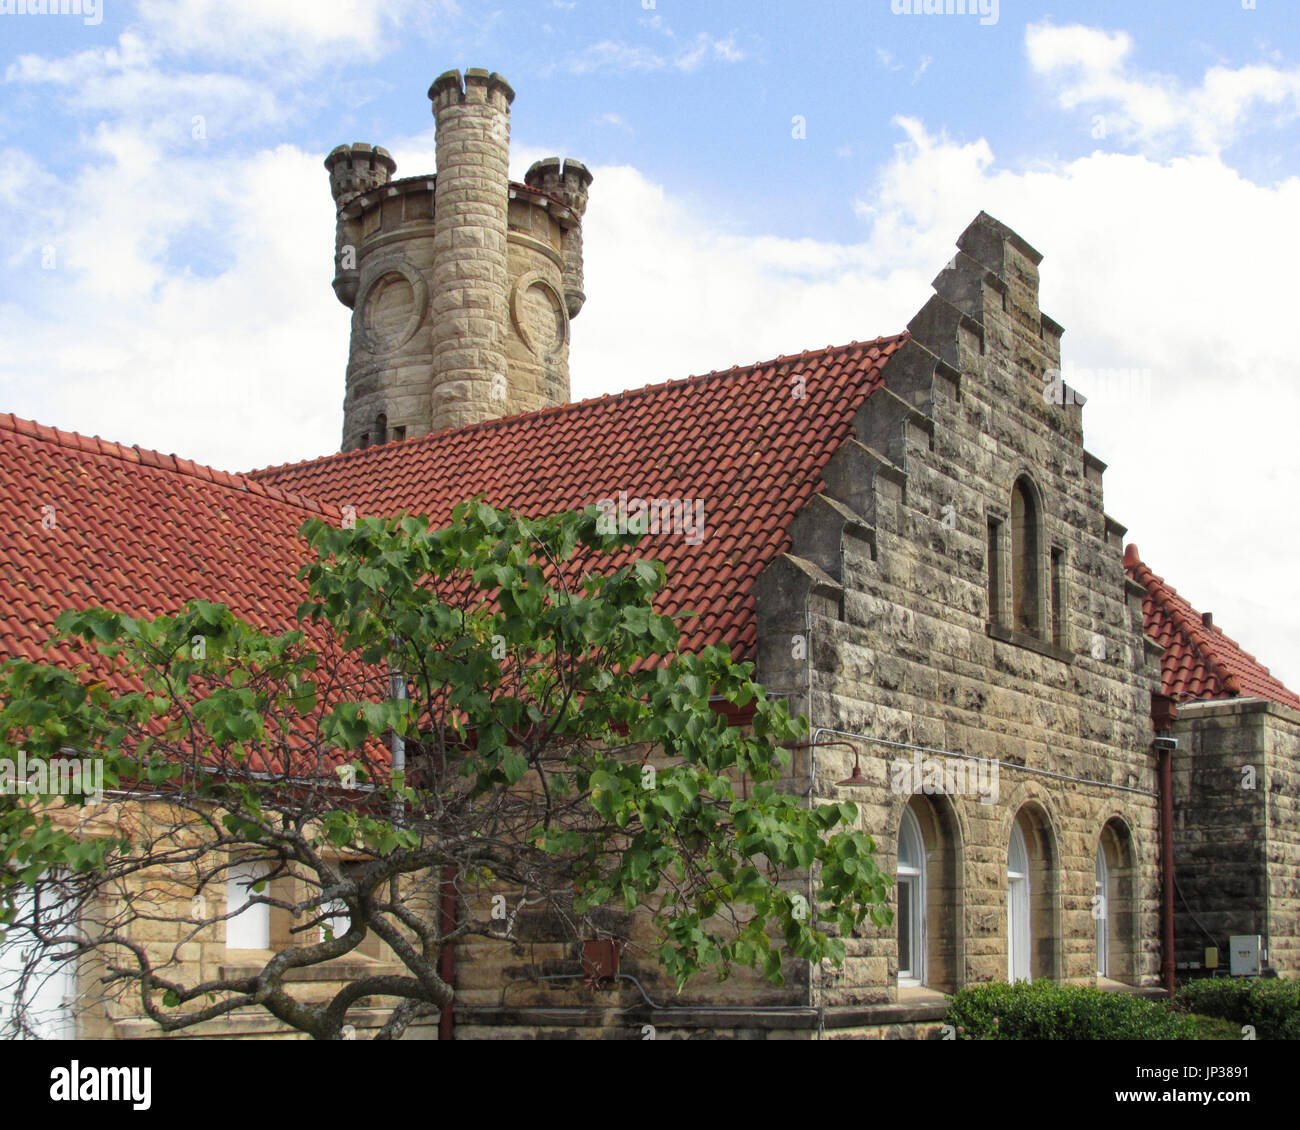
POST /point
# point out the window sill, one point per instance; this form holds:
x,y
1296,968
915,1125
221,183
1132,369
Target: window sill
x,y
352,967
1032,643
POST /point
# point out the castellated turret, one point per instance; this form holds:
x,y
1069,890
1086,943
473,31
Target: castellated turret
x,y
462,284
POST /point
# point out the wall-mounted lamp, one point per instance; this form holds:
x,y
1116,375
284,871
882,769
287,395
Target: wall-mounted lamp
x,y
857,779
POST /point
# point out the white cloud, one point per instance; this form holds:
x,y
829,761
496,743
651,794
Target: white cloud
x,y
1092,69
166,67
887,60
130,346
617,55
308,33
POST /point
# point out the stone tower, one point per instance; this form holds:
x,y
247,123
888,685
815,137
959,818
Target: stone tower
x,y
462,284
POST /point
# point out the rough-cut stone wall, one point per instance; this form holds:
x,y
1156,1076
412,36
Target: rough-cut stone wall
x,y
1282,767
471,207
537,346
388,384
886,592
162,902
1237,830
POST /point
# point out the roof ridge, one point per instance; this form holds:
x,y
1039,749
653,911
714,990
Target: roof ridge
x,y
604,398
148,457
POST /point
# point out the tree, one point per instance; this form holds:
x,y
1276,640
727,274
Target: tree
x,y
463,718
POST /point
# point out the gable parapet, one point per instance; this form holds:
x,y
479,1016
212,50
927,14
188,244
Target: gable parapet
x,y
888,423
939,326
790,595
818,531
962,283
919,376
867,482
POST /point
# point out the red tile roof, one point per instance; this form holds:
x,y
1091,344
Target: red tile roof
x,y
741,441
94,523
142,532
1199,662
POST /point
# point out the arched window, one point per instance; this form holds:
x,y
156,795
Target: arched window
x,y
912,902
1025,611
1115,905
1019,933
381,428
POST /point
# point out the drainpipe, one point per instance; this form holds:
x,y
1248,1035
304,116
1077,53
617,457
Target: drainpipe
x,y
447,910
1165,747
397,743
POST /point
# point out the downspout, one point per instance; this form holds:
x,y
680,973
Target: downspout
x,y
812,785
1166,756
397,743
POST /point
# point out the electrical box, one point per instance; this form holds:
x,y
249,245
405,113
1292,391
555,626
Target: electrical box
x,y
1245,955
1212,957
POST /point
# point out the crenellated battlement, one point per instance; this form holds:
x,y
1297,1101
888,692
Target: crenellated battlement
x,y
358,168
462,283
566,180
477,85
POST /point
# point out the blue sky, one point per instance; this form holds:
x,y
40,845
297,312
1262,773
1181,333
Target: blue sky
x,y
167,254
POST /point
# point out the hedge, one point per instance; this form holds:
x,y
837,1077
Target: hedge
x,y
1045,1010
1270,1005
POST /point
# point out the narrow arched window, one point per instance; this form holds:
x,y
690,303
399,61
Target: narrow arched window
x,y
381,428
1024,559
1018,927
911,901
1100,913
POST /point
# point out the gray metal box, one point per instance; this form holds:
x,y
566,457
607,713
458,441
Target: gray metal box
x,y
1245,955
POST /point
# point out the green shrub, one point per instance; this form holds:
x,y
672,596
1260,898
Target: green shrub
x,y
1045,1010
1214,1028
1272,1006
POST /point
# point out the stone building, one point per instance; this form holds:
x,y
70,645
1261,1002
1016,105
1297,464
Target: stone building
x,y
906,534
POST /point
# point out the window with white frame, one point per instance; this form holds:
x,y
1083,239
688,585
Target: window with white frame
x,y
38,991
250,926
1100,913
911,902
1018,930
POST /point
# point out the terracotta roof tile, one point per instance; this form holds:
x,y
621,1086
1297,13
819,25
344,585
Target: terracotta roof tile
x,y
737,440
136,532
1199,662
